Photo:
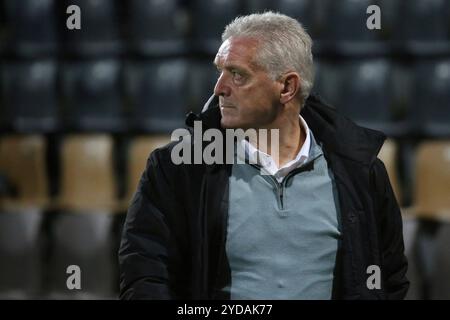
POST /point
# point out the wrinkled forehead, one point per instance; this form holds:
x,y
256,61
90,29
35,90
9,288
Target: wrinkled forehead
x,y
240,50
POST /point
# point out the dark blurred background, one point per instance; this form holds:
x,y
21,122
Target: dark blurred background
x,y
80,111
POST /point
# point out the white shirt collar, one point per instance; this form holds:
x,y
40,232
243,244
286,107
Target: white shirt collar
x,y
264,160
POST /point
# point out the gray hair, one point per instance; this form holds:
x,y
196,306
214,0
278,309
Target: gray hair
x,y
284,45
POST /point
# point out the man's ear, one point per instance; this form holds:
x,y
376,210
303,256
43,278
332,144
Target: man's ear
x,y
290,82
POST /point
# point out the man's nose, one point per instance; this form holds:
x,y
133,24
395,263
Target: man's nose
x,y
221,88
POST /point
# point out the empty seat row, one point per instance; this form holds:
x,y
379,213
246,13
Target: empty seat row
x,y
346,20
165,27
28,98
426,247
74,255
23,164
99,95
88,179
432,189
38,251
399,100
154,95
36,28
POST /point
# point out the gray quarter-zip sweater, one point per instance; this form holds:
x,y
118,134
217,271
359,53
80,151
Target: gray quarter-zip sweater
x,y
282,238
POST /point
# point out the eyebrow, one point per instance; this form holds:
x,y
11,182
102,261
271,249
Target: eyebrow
x,y
233,67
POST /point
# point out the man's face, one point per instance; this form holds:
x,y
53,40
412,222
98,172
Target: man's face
x,y
248,97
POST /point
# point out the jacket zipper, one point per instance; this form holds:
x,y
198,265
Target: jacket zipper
x,y
281,186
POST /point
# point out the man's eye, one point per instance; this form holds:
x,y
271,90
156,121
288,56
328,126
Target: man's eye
x,y
237,75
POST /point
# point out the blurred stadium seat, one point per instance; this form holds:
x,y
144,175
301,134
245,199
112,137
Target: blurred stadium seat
x,y
402,89
21,253
388,154
85,240
92,95
431,106
158,28
429,261
305,11
138,154
345,31
366,95
209,19
423,27
101,29
390,12
203,76
3,26
423,20
328,80
440,278
31,27
425,253
157,91
254,6
87,173
432,180
347,21
29,95
410,229
24,164
302,10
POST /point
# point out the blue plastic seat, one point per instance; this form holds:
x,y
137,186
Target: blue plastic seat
x,y
100,31
327,81
440,280
29,94
209,19
366,94
423,20
157,27
344,31
21,253
431,107
346,21
157,91
303,10
202,79
31,27
85,240
92,95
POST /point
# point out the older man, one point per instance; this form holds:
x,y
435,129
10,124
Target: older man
x,y
321,223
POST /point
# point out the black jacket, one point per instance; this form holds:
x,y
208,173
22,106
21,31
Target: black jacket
x,y
173,242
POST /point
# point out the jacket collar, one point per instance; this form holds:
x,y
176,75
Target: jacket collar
x,y
336,133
